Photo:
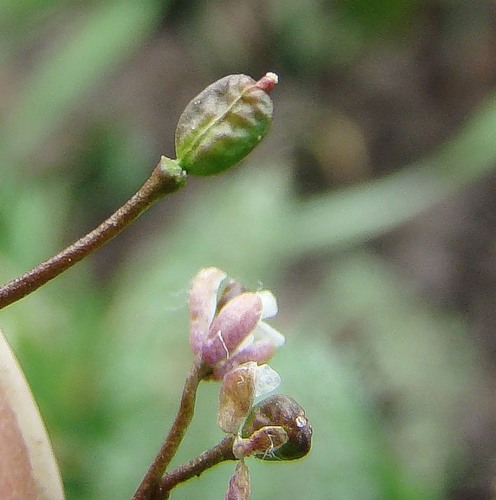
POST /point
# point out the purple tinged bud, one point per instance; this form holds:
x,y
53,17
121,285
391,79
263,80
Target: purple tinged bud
x,y
260,352
236,320
239,485
202,304
226,326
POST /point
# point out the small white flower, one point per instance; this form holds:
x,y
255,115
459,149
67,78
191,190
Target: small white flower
x,y
235,334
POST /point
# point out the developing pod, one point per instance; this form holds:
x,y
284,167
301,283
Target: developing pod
x,y
283,411
223,123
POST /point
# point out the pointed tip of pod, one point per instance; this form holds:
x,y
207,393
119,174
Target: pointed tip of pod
x,y
267,82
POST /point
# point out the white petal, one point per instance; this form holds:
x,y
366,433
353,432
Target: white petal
x,y
266,380
269,304
210,279
202,304
265,331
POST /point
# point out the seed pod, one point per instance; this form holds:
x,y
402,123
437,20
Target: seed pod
x,y
223,123
284,411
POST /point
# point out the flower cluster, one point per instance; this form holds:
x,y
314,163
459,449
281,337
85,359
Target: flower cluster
x,y
227,329
229,335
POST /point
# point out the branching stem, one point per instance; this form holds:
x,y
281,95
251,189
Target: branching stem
x,y
219,453
149,489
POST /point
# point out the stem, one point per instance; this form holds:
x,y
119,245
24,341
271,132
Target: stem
x,y
166,178
150,485
219,453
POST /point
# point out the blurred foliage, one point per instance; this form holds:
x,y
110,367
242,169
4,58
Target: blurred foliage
x,y
375,17
387,379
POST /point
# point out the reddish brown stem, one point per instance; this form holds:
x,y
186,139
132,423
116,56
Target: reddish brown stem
x,y
150,485
219,453
165,179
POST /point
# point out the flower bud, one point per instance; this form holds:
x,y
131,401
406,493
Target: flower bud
x,y
223,123
283,411
228,331
239,484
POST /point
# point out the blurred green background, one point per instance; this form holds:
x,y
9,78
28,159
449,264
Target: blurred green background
x,y
369,210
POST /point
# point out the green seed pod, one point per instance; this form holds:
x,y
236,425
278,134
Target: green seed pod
x,y
283,411
222,124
